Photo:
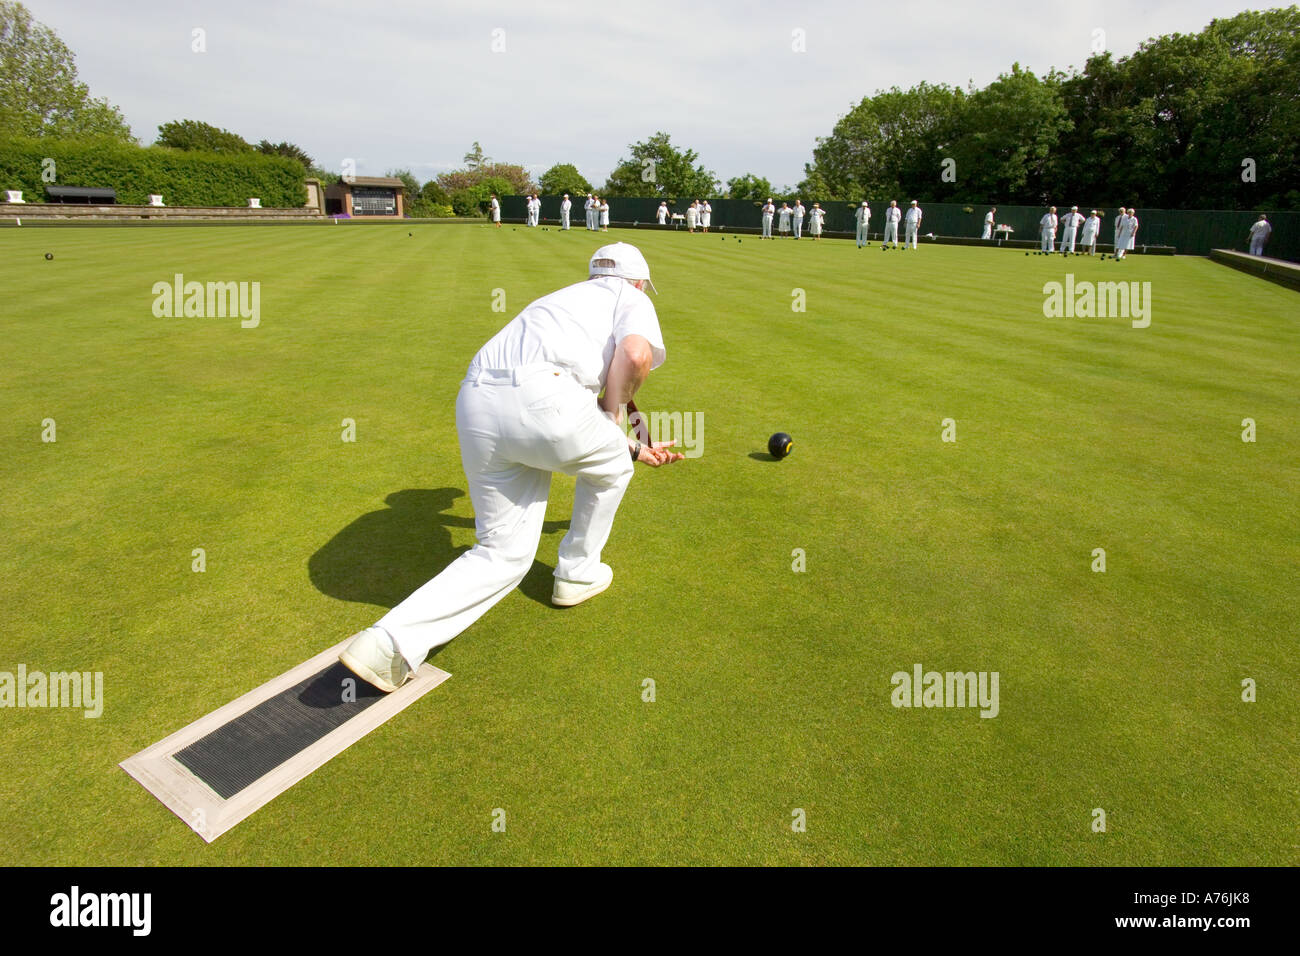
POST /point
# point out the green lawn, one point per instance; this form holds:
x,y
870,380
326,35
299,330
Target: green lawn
x,y
1118,690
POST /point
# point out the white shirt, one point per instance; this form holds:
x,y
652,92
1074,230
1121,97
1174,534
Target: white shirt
x,y
817,215
1261,228
785,214
863,214
576,328
566,206
1073,220
914,215
1092,225
494,205
663,212
798,212
988,218
1048,222
768,210
893,214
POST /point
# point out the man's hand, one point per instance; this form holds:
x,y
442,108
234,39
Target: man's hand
x,y
658,454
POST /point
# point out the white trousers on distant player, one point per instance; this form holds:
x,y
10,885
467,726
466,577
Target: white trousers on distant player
x,y
988,231
912,229
564,219
861,233
798,226
1257,245
767,227
1067,239
516,428
1049,239
891,233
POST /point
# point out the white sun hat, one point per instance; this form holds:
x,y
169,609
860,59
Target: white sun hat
x,y
621,259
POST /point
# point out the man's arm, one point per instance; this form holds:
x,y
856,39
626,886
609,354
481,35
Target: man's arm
x,y
627,372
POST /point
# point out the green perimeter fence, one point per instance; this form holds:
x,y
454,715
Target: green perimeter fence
x,y
1189,231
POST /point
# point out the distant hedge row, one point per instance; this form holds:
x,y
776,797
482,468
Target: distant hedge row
x,y
182,178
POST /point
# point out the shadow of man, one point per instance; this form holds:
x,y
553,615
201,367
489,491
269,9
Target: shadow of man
x,y
385,555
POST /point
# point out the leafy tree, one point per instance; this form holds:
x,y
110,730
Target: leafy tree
x,y
564,178
890,144
749,186
194,135
1008,131
39,91
287,149
659,169
516,178
470,200
432,193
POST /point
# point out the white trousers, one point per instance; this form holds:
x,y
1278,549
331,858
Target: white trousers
x,y
564,219
1048,237
767,226
798,226
891,233
1257,246
988,231
861,234
912,229
1067,239
515,429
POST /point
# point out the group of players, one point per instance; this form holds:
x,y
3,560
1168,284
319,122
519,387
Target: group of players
x,y
1124,239
699,215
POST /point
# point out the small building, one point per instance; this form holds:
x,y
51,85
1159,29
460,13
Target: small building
x,y
363,197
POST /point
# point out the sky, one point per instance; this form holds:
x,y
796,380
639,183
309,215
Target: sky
x,y
413,83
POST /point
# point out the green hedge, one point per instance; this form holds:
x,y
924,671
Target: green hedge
x,y
182,178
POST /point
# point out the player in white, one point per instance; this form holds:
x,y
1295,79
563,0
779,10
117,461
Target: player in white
x,y
1132,229
769,210
863,216
1070,228
706,215
798,218
565,207
783,219
534,210
892,215
494,207
604,215
692,215
662,214
1119,220
1260,230
527,408
816,215
587,207
1091,227
1124,238
913,224
988,223
1047,231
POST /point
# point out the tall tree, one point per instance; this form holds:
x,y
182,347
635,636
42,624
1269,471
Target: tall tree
x,y
659,169
475,159
39,91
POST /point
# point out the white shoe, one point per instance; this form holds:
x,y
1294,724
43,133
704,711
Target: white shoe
x,y
373,657
569,593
